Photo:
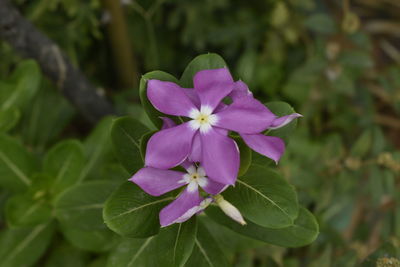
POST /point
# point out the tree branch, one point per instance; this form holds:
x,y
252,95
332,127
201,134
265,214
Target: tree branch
x,y
31,43
120,45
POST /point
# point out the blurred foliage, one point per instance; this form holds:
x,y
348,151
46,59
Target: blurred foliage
x,y
336,62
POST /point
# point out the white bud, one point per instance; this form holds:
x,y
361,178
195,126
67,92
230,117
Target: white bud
x,y
229,209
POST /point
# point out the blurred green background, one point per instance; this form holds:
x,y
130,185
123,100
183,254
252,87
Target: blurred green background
x,y
336,62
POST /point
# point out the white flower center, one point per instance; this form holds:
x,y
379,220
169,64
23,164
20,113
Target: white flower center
x,y
203,119
194,178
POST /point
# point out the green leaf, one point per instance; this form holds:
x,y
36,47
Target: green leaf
x,y
6,91
229,241
26,210
130,252
349,258
154,115
38,126
245,156
126,133
41,185
16,164
261,160
362,145
320,23
65,255
137,111
24,246
114,172
9,118
202,62
247,67
98,149
4,195
25,82
16,94
81,206
64,162
131,212
94,241
356,59
183,241
323,260
303,232
100,261
302,79
264,197
206,251
379,141
143,142
280,108
171,247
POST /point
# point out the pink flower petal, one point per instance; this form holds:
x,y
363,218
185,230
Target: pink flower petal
x,y
167,123
169,98
240,90
191,93
181,209
212,86
186,164
213,187
157,182
282,121
269,146
195,154
170,147
220,157
246,115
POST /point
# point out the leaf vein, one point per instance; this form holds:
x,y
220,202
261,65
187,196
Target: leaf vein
x,y
63,169
15,169
25,242
203,252
145,244
264,196
141,207
176,241
131,138
85,207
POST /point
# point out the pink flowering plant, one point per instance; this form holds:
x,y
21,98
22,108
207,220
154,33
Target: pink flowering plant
x,y
211,158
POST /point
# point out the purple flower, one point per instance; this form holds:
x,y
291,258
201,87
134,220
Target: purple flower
x,y
157,182
203,138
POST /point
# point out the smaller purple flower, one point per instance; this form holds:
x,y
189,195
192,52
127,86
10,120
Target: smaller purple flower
x,y
157,182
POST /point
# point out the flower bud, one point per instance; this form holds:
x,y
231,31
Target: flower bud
x,y
229,209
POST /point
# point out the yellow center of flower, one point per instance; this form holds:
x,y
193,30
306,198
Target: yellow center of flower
x,y
203,118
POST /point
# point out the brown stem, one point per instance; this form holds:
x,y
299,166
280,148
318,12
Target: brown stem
x,y
385,120
124,64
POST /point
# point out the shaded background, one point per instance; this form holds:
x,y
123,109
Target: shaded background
x,y
335,62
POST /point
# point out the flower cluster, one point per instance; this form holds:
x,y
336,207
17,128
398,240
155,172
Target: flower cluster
x,y
201,145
